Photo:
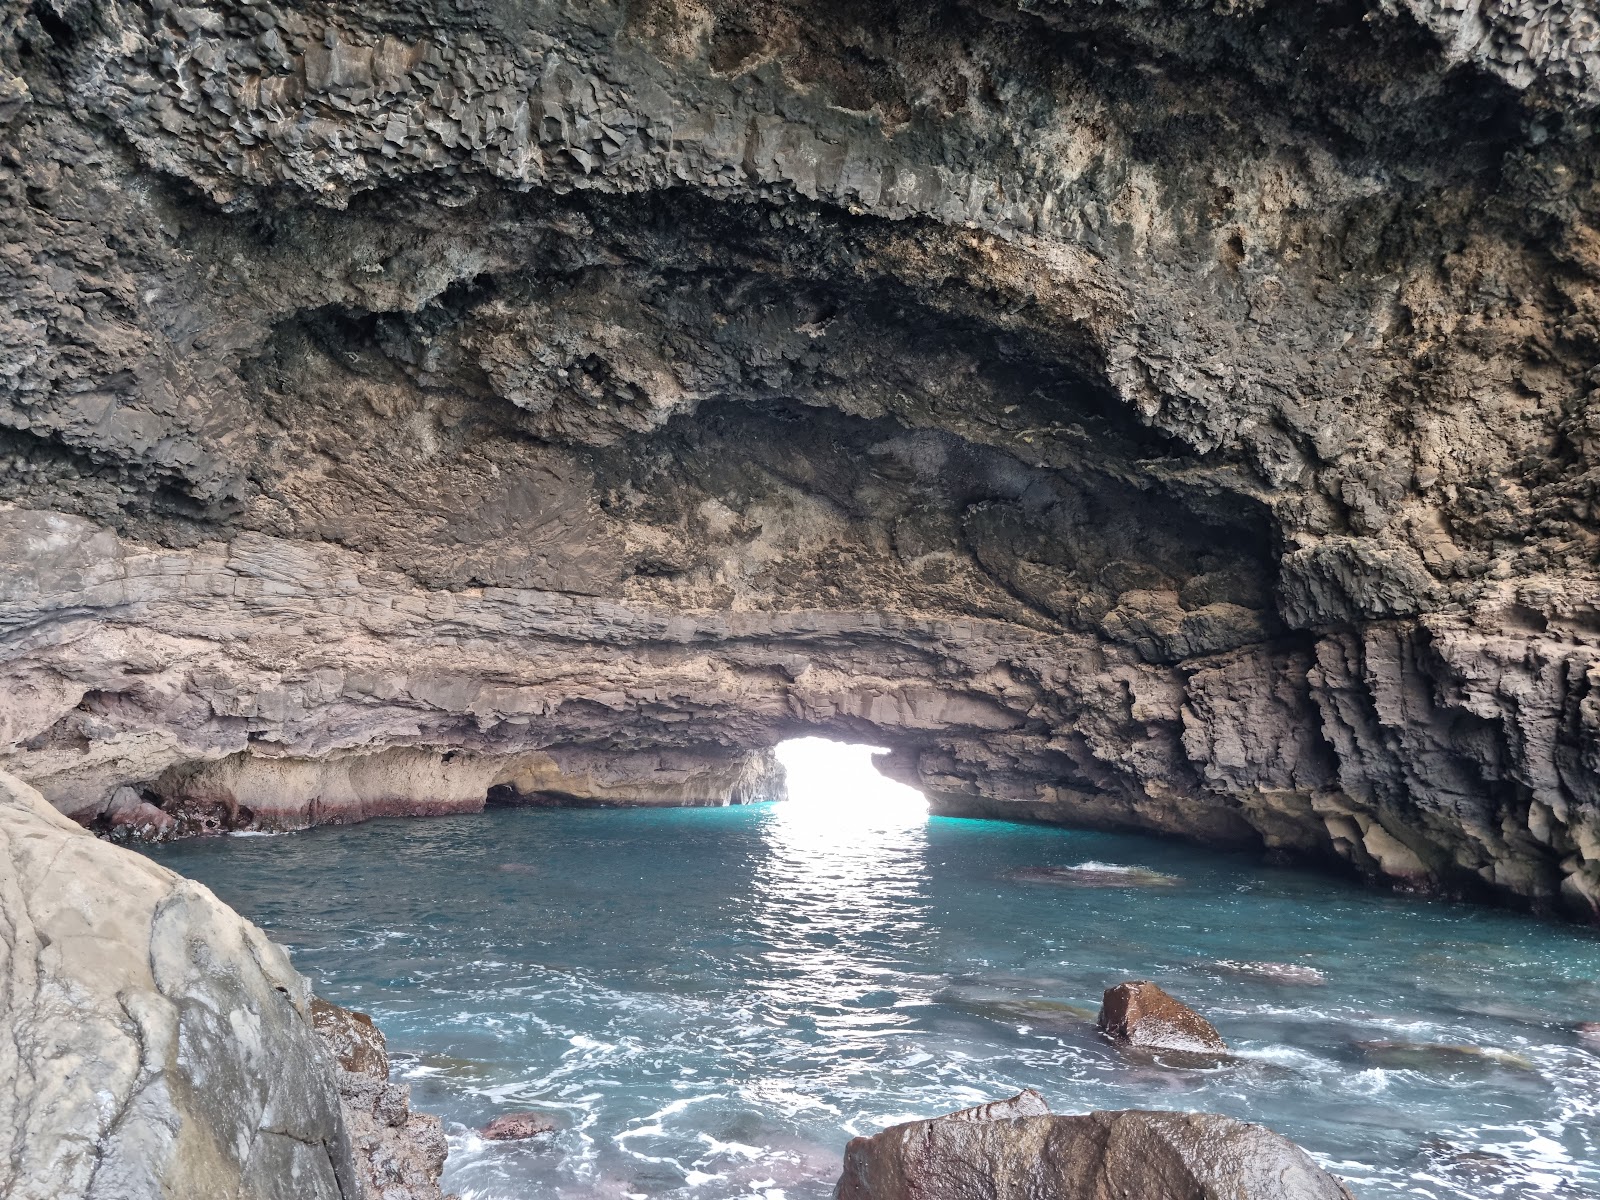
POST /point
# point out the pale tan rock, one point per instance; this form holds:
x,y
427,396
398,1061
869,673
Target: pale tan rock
x,y
1094,1156
154,1043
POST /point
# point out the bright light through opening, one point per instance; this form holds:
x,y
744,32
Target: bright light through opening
x,y
840,781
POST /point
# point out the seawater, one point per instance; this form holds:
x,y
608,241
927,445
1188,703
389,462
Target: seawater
x,y
714,1000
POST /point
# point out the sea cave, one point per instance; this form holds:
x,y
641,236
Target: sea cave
x,y
763,600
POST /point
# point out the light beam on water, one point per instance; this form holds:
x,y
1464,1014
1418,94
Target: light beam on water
x,y
714,1000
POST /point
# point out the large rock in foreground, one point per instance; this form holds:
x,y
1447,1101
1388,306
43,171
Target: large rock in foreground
x,y
154,1044
1095,1156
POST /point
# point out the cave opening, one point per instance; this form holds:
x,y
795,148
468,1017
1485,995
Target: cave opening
x,y
838,784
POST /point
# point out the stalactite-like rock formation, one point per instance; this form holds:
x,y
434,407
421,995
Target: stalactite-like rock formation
x,y
1150,416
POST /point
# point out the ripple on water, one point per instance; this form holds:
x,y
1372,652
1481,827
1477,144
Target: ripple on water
x,y
716,1020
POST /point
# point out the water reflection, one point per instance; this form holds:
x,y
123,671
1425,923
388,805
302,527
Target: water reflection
x,y
840,899
714,1000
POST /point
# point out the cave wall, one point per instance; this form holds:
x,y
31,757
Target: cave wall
x,y
1143,416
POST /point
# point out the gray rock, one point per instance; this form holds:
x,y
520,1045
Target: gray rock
x,y
158,1045
155,1044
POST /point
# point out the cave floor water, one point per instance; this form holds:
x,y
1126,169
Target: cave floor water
x,y
713,1000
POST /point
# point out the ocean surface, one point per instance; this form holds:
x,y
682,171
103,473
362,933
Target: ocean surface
x,y
712,1001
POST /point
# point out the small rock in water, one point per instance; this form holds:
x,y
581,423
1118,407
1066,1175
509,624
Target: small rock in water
x,y
1141,1014
1045,1013
1428,1056
1095,875
512,1127
517,869
1274,972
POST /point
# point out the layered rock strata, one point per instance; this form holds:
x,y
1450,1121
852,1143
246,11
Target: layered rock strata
x,y
153,1043
1137,416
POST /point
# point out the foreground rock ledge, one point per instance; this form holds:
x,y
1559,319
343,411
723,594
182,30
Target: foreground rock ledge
x,y
990,1154
155,1045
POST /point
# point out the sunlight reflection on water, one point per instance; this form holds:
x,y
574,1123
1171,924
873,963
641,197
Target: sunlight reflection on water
x,y
714,1000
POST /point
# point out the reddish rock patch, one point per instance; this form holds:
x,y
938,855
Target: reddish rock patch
x,y
1141,1014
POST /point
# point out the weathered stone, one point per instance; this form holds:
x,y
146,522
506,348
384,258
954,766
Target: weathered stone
x,y
1096,1156
154,1043
510,1127
1198,438
1141,1014
355,1042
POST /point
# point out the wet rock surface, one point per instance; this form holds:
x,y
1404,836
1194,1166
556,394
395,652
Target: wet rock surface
x,y
511,1127
399,1154
1142,1015
1009,1151
1149,418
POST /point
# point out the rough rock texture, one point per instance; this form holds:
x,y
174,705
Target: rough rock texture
x,y
990,1154
152,1042
1142,1014
399,1154
1141,415
514,1127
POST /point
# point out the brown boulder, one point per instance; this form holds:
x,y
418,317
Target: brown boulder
x,y
1141,1014
511,1127
1096,1156
352,1038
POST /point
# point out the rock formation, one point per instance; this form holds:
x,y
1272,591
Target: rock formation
x,y
152,1038
399,1154
1013,1150
1142,1014
154,1044
1143,416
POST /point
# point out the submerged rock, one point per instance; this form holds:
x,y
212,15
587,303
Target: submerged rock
x,y
1095,875
1274,972
511,1127
1012,1151
1028,1010
1436,1056
1141,1014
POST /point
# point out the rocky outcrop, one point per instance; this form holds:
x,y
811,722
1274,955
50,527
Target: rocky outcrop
x,y
399,1154
1143,1015
152,1042
1009,1151
155,1044
1140,416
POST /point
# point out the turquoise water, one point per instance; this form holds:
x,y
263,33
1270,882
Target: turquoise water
x,y
714,1000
